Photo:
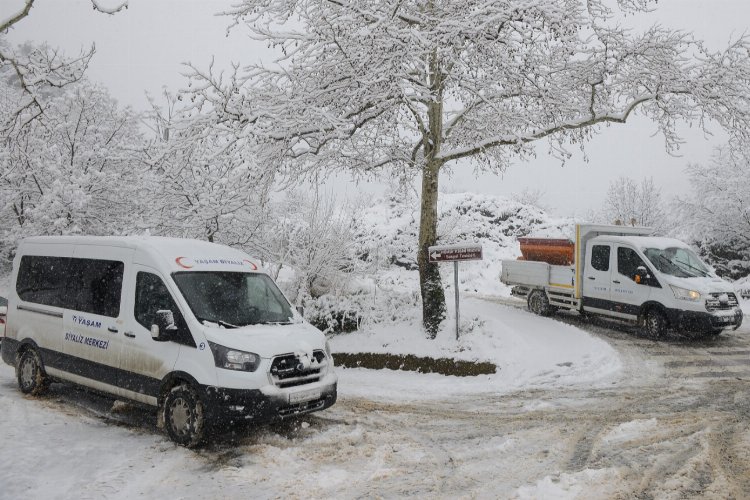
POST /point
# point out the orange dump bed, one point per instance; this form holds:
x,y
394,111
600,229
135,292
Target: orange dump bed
x,y
552,251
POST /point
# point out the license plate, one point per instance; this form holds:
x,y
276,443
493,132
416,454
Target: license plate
x,y
302,396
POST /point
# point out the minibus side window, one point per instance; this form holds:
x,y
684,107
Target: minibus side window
x,y
45,280
98,285
151,295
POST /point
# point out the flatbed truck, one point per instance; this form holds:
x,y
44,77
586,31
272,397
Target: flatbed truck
x,y
627,274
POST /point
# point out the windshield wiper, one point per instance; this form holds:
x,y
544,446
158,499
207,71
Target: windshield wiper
x,y
701,273
217,321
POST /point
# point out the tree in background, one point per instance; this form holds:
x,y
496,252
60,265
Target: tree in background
x,y
633,204
717,213
38,70
415,86
314,235
80,170
207,183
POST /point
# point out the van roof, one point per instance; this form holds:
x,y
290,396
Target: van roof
x,y
179,254
644,241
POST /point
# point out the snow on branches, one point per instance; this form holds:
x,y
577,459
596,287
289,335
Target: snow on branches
x,y
413,85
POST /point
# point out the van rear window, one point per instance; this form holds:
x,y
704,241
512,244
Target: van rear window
x,y
87,285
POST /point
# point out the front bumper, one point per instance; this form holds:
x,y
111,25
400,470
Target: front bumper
x,y
252,405
697,321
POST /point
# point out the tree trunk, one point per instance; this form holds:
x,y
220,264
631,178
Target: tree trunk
x,y
430,284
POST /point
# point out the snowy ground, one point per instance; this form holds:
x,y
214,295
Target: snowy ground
x,y
600,413
529,351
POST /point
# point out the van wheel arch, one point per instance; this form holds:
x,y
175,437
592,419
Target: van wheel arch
x,y
30,373
182,413
172,380
654,319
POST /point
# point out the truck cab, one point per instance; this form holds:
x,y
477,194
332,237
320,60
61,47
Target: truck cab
x,y
658,281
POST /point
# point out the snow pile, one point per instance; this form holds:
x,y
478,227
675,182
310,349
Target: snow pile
x,y
529,351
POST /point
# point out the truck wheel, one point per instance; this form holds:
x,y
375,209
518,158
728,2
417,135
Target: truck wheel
x,y
655,323
184,417
30,373
539,303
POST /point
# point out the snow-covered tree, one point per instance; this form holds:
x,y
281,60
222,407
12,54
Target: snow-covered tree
x,y
314,235
416,86
78,171
37,71
717,212
208,185
629,203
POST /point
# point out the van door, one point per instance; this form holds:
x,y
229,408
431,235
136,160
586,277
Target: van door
x,y
597,277
627,295
144,362
95,318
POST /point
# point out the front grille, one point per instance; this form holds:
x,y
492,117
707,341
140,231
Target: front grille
x,y
721,301
288,371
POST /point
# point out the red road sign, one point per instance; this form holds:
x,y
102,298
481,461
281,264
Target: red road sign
x,y
453,253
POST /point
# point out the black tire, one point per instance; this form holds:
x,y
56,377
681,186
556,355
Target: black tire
x,y
655,323
30,373
184,416
539,303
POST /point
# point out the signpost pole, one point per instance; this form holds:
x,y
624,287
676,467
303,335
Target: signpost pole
x,y
454,253
455,284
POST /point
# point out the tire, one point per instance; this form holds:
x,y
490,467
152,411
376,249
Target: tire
x,y
539,303
184,416
30,373
655,323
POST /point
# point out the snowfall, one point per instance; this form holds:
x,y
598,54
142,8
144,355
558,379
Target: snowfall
x,y
72,444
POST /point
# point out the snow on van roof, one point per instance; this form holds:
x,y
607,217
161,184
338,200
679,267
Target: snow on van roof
x,y
658,242
181,254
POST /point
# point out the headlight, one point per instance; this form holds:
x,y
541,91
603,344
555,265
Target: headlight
x,y
685,294
233,359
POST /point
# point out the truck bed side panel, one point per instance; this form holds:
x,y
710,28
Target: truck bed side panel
x,y
519,272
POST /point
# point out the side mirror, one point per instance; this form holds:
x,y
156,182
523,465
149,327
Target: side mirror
x,y
301,311
164,322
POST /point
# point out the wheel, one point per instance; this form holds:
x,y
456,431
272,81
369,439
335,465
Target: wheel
x,y
184,417
539,303
655,323
30,373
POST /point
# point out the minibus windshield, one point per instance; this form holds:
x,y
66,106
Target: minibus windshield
x,y
232,299
677,261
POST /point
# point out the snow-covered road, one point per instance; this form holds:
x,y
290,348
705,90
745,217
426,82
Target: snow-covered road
x,y
675,425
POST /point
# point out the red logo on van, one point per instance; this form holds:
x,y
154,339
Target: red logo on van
x,y
184,262
252,264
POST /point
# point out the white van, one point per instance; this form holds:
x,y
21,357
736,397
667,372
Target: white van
x,y
194,328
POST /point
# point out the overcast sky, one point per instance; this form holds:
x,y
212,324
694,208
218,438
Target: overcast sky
x,y
142,48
